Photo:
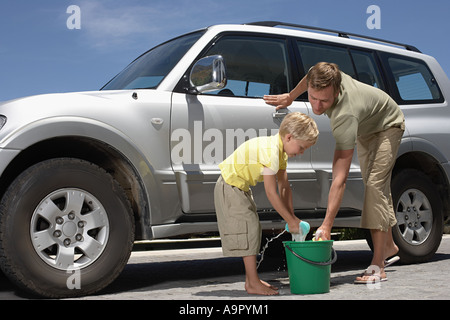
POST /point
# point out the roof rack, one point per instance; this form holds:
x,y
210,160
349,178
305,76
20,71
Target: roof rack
x,y
339,33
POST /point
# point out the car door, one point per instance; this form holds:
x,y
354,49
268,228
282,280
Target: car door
x,y
206,128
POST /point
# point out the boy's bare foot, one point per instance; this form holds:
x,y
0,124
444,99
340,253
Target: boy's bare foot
x,y
261,288
268,285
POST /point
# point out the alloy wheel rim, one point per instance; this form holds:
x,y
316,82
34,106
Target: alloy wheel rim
x,y
69,229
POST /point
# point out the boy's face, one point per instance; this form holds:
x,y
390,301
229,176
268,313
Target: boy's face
x,y
321,100
294,147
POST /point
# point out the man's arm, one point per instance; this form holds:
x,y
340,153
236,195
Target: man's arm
x,y
281,202
341,167
286,99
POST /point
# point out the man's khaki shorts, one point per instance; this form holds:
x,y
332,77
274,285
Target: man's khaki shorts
x,y
377,154
239,226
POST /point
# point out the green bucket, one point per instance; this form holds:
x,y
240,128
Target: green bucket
x,y
309,265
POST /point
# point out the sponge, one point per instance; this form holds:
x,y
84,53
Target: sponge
x,y
304,228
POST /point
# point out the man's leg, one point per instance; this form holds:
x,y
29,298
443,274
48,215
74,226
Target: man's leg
x,y
378,212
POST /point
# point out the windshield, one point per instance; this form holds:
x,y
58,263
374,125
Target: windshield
x,y
147,71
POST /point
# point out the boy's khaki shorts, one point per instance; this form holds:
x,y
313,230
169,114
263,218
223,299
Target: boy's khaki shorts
x,y
239,226
377,154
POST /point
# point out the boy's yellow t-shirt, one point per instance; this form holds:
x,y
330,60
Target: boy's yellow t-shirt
x,y
245,166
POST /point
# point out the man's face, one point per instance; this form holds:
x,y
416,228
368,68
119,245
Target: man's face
x,y
321,100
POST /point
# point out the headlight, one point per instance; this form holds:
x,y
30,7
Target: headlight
x,y
2,121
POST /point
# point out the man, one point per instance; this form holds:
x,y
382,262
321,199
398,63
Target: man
x,y
366,116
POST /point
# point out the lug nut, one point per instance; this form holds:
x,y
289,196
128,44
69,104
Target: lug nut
x,y
80,224
59,220
79,237
67,242
57,234
71,216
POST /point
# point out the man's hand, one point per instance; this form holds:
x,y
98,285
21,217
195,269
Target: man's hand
x,y
325,233
280,101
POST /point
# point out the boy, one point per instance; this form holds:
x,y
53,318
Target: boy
x,y
257,160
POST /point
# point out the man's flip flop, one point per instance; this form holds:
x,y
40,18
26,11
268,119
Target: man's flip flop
x,y
391,261
373,276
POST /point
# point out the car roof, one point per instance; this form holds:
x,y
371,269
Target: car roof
x,y
317,33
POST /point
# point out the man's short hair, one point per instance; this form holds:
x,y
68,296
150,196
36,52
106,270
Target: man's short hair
x,y
323,75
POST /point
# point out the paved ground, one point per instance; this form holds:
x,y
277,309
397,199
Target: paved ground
x,y
197,274
204,274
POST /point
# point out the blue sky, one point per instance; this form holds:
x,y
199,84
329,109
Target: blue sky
x,y
39,54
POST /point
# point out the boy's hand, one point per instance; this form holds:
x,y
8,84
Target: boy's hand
x,y
294,226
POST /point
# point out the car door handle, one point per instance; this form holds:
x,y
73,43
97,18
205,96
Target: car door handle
x,y
277,115
157,121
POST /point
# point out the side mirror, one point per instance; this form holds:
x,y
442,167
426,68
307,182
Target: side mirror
x,y
208,74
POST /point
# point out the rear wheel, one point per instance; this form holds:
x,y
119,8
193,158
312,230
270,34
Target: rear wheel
x,y
418,210
66,229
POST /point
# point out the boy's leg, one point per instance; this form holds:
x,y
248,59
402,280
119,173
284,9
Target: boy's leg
x,y
253,284
240,232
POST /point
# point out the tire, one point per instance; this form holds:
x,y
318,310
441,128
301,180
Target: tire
x,y
66,229
419,213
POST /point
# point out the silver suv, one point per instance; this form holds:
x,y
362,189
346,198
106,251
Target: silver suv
x,y
84,175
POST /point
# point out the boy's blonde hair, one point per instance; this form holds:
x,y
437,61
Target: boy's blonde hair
x,y
300,126
324,74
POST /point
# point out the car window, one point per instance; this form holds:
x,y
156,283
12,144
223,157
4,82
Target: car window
x,y
366,68
255,66
147,71
312,53
414,80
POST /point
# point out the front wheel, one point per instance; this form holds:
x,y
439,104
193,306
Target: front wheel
x,y
418,210
66,229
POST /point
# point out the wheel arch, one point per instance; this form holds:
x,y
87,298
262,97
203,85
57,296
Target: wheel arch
x,y
98,152
432,167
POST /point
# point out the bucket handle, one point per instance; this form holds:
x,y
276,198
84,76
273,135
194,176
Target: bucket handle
x,y
327,263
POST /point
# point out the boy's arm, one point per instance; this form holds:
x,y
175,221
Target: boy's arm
x,y
284,190
286,99
279,201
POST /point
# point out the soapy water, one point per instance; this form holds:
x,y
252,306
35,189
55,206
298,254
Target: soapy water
x,y
304,230
267,245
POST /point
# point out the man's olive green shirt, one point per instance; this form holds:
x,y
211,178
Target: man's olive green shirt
x,y
361,110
